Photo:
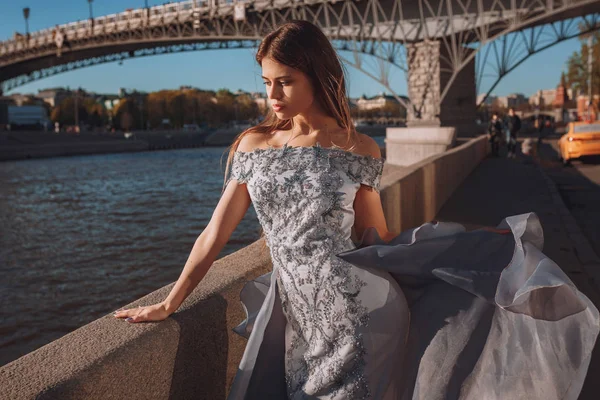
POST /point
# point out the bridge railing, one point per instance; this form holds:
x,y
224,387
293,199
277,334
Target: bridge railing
x,y
191,10
129,19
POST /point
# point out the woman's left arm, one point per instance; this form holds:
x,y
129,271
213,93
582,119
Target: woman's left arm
x,y
368,211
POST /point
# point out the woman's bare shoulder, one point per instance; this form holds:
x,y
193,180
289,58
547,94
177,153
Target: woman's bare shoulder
x,y
367,146
251,141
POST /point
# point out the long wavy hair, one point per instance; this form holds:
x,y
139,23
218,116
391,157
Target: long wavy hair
x,y
303,46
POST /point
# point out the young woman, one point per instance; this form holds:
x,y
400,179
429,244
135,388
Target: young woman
x,y
430,313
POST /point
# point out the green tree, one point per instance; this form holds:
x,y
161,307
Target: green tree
x,y
96,114
157,107
126,120
130,108
64,113
577,66
226,106
176,109
247,107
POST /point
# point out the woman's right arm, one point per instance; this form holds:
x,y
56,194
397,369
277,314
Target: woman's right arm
x,y
227,215
230,210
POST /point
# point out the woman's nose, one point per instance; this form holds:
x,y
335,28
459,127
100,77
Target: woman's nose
x,y
274,92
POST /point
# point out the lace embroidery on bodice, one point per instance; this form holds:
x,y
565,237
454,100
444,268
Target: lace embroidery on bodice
x,y
303,197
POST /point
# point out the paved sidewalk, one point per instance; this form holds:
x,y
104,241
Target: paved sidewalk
x,y
501,187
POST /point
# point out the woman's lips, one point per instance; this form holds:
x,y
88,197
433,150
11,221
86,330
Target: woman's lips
x,y
277,107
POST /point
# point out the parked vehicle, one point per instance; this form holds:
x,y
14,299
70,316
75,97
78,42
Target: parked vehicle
x,y
581,139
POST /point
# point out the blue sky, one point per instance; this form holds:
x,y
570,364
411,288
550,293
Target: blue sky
x,y
215,69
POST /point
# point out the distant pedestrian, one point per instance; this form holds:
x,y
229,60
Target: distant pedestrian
x,y
514,126
540,127
495,133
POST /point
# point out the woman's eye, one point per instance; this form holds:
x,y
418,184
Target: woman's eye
x,y
283,83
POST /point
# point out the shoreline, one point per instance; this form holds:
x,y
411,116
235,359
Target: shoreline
x,y
27,145
48,150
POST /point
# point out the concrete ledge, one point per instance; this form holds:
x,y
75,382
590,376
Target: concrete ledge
x,y
413,195
407,146
194,353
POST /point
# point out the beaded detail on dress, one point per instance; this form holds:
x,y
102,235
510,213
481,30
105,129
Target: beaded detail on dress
x,y
303,197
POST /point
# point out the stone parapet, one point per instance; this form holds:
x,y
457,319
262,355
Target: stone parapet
x,y
413,195
406,146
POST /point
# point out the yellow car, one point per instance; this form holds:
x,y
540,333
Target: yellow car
x,y
581,139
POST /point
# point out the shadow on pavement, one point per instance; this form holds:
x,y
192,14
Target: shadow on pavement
x,y
500,187
579,187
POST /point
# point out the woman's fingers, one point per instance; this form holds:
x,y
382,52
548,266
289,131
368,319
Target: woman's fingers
x,y
131,315
156,312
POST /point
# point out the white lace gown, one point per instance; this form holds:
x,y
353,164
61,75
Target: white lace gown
x,y
437,313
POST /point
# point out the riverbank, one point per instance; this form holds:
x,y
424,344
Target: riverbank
x,y
22,145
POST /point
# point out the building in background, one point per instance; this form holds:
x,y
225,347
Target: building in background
x,y
5,102
489,100
513,100
28,117
20,99
543,98
54,96
261,100
584,111
382,100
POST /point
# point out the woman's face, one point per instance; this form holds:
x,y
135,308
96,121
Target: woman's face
x,y
287,87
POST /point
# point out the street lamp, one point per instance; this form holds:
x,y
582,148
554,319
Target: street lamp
x,y
147,10
91,16
77,111
26,15
590,43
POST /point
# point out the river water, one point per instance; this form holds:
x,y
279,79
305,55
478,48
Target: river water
x,y
83,236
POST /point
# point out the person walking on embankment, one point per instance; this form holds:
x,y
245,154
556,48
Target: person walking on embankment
x,y
495,133
514,126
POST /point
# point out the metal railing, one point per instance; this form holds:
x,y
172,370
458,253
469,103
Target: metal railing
x,y
129,19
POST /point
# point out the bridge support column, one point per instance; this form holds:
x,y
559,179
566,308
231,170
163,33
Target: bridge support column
x,y
432,125
428,74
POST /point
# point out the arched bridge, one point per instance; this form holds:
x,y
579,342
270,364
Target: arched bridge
x,y
433,41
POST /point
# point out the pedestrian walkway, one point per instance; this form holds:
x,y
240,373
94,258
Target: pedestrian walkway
x,y
500,187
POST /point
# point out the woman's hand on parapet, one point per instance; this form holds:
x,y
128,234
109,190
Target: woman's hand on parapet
x,y
155,312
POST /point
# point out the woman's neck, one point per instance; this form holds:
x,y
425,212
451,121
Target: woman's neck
x,y
309,125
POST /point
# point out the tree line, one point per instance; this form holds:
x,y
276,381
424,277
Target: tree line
x,y
176,108
577,65
153,110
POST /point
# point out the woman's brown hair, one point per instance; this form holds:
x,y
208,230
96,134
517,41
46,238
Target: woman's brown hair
x,y
303,46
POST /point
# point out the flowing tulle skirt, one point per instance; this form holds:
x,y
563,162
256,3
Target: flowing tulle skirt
x,y
491,317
